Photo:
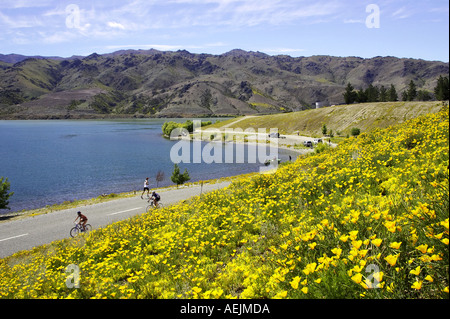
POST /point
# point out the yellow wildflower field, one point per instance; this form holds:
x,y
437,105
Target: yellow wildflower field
x,y
368,219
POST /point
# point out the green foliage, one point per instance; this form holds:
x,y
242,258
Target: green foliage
x,y
392,93
375,94
350,95
179,178
355,131
412,91
168,127
423,95
384,97
11,97
4,193
106,103
321,147
442,90
324,129
206,99
372,93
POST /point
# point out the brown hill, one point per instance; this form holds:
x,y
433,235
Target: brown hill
x,y
152,83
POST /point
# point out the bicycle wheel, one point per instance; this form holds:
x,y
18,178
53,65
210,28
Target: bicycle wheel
x,y
88,228
74,231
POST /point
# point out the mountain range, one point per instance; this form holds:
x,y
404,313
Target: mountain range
x,y
152,83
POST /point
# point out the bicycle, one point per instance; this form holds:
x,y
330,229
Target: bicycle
x,y
79,229
152,204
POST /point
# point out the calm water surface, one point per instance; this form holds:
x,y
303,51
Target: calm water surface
x,y
48,162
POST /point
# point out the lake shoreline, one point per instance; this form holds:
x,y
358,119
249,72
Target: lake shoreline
x,y
86,144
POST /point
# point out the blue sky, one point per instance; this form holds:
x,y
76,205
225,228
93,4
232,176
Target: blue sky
x,y
364,28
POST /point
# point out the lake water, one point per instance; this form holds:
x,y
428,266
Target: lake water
x,y
49,162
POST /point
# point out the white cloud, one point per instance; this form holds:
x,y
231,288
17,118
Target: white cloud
x,y
353,21
402,13
164,47
282,50
19,21
116,25
17,4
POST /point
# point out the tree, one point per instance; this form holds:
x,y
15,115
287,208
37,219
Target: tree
x,y
392,94
206,99
423,95
442,90
4,193
383,94
179,178
159,177
405,96
349,95
412,91
372,93
361,96
324,129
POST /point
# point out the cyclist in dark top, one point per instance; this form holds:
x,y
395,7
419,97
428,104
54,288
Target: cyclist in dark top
x,y
83,220
156,198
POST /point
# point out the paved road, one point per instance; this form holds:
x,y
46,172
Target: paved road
x,y
26,233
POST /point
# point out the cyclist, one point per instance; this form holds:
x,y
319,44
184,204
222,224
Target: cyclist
x,y
146,188
156,198
83,220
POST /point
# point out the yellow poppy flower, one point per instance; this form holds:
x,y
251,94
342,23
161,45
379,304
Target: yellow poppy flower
x,y
422,248
415,271
417,285
392,259
294,282
377,242
336,251
357,243
395,245
357,278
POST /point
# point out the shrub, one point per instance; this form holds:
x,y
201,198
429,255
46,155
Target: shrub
x,y
355,131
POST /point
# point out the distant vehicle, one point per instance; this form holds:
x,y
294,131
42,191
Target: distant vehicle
x,y
268,162
308,144
274,135
318,140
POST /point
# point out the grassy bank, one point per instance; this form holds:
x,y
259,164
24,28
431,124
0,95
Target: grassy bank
x,y
368,219
340,119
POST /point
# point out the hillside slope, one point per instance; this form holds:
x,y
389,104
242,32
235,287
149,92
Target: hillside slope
x,y
340,119
165,84
371,213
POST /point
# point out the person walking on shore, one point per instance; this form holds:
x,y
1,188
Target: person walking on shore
x,y
146,188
